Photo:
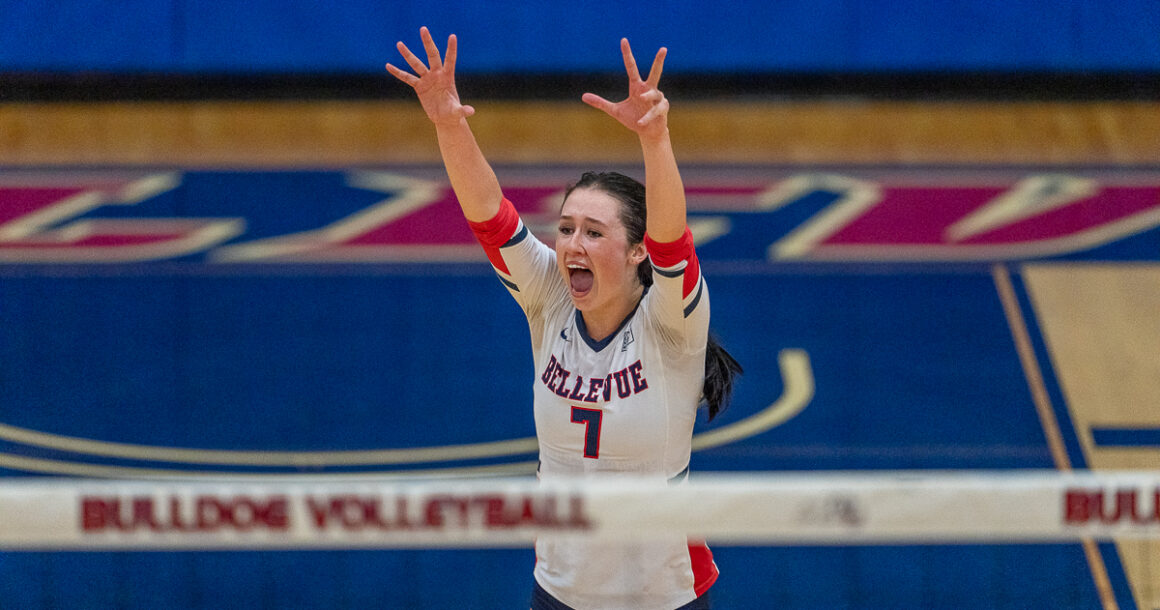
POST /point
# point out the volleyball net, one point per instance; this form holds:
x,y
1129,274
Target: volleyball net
x,y
815,508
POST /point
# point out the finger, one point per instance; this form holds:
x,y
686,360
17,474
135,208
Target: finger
x,y
416,64
654,75
402,75
597,102
629,61
468,111
433,58
452,53
659,110
651,96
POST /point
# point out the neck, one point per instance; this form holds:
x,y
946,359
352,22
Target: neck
x,y
601,324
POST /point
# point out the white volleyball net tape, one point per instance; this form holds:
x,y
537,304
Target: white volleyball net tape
x,y
761,509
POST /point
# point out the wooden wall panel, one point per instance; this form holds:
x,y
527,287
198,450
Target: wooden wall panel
x,y
336,133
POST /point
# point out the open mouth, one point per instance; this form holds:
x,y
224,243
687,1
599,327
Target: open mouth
x,y
580,279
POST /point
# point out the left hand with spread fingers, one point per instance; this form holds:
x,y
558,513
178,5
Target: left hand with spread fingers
x,y
645,110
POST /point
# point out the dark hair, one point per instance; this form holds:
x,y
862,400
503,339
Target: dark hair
x,y
720,367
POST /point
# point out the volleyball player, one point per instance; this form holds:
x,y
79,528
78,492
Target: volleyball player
x,y
619,319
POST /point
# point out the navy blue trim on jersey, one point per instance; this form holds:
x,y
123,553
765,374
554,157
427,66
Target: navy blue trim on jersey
x,y
599,345
603,343
506,282
518,237
696,299
701,603
542,600
670,273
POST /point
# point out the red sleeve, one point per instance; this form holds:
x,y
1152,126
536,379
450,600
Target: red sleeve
x,y
493,234
671,254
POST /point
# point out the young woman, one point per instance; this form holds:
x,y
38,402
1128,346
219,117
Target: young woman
x,y
619,320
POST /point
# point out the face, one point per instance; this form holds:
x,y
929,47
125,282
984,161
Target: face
x,y
594,256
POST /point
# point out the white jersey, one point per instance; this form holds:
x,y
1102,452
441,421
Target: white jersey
x,y
625,404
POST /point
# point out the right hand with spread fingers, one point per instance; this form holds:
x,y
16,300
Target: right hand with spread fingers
x,y
434,81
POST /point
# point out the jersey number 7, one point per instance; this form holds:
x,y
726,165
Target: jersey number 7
x,y
591,420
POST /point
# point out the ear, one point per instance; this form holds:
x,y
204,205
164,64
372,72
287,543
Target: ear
x,y
637,253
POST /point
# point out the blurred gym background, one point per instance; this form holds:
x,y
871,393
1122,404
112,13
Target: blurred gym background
x,y
280,114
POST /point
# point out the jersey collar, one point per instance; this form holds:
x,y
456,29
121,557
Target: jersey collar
x,y
603,343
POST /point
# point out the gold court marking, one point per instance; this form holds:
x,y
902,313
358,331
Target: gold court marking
x,y
1047,418
1101,329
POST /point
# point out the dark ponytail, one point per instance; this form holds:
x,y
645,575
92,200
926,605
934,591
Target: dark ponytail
x,y
720,367
720,370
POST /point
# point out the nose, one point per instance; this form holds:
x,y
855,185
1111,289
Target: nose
x,y
572,242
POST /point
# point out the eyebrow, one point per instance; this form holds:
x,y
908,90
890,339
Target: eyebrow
x,y
590,221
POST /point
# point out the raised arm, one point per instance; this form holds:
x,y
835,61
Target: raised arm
x,y
471,176
645,111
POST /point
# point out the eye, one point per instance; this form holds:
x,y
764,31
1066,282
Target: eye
x,y
565,230
593,233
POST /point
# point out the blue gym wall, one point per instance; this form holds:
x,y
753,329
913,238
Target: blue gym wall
x,y
276,36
